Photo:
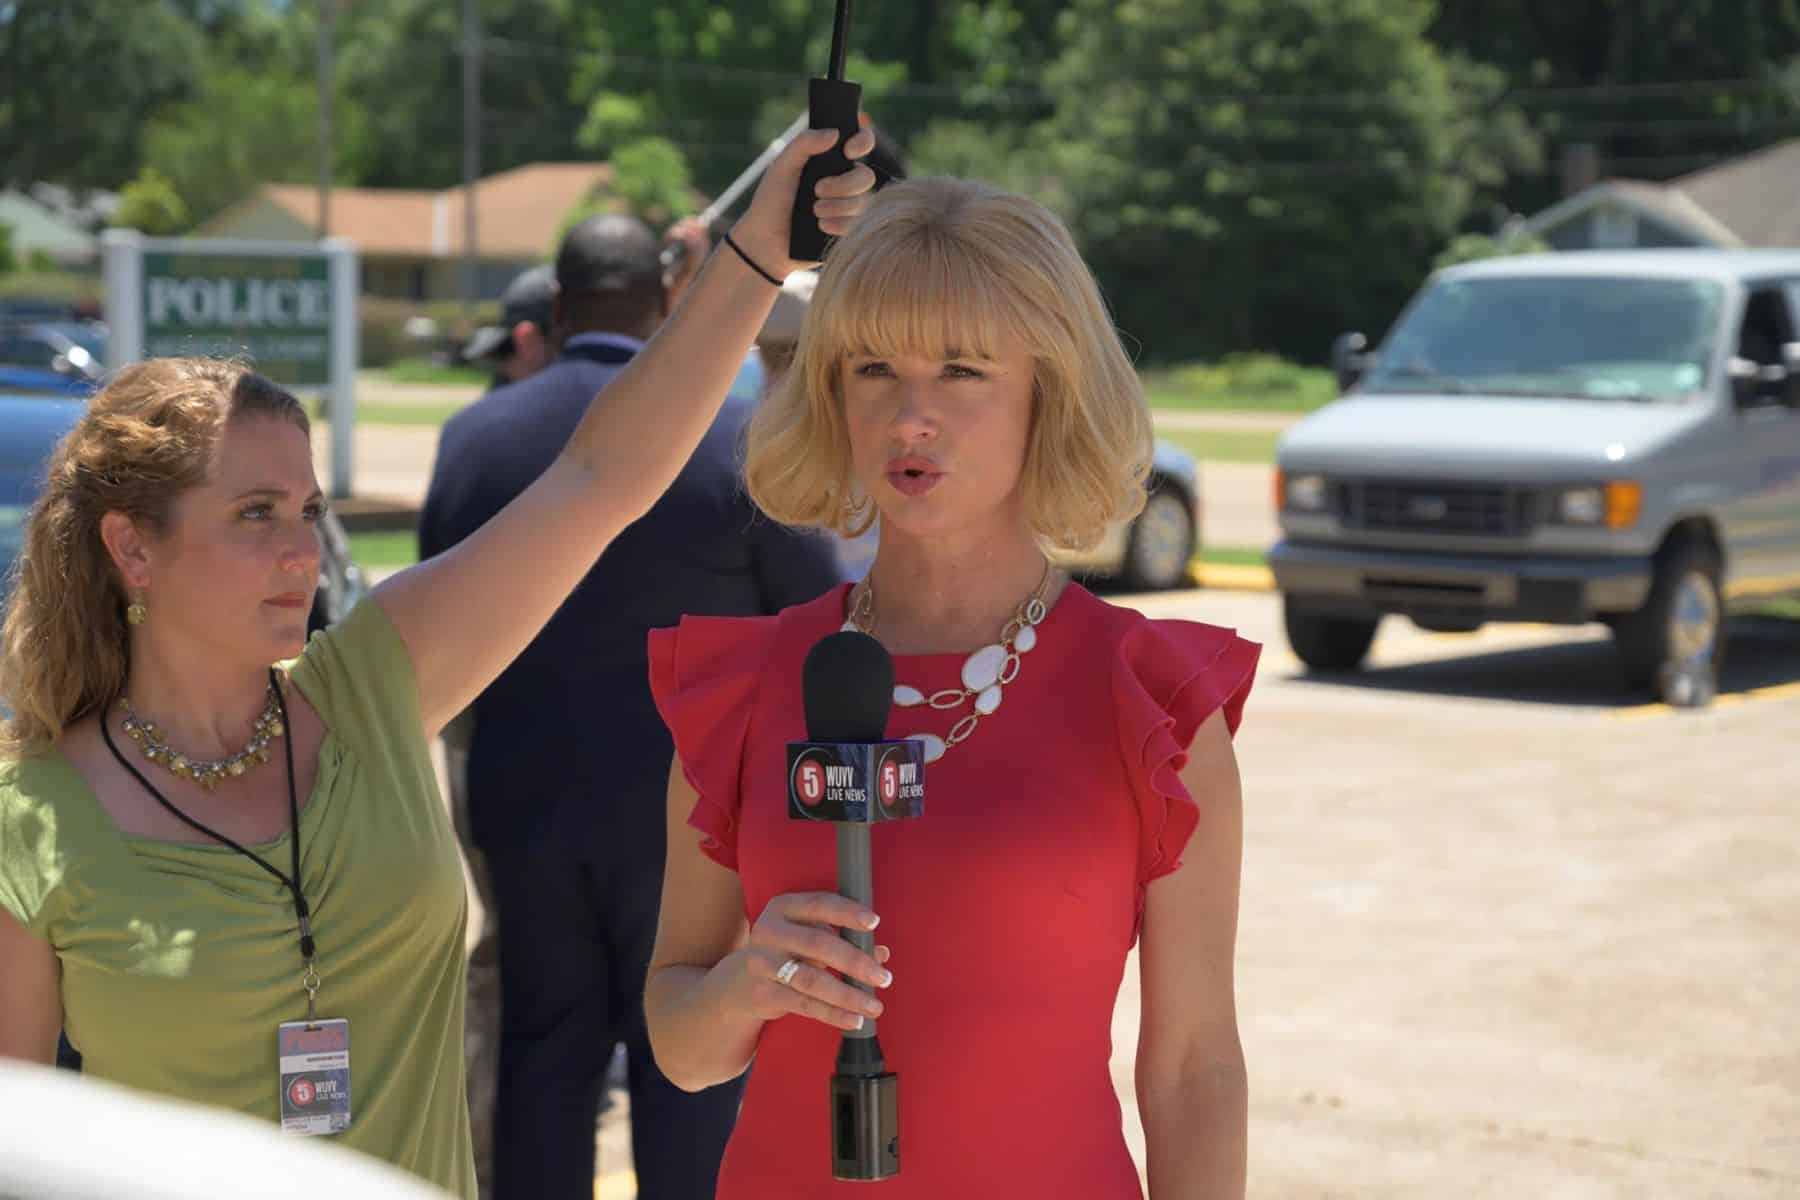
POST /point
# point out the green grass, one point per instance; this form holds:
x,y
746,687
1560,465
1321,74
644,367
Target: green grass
x,y
1232,556
1786,609
406,414
1225,445
429,415
419,371
384,548
1244,382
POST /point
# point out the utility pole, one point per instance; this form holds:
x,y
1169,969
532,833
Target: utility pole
x,y
471,151
327,72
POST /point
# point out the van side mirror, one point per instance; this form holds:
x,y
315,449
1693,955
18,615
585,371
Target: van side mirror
x,y
1350,359
1754,383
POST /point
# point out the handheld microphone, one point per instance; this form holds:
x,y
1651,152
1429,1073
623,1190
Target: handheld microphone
x,y
846,773
832,103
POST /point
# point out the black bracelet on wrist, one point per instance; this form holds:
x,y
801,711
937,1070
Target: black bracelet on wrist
x,y
750,262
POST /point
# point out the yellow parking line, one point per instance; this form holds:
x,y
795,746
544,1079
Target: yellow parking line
x,y
616,1185
1778,691
1234,577
1765,585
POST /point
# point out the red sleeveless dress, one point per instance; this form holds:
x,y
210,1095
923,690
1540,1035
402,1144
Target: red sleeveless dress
x,y
1009,906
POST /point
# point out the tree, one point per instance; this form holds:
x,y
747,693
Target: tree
x,y
9,261
272,136
1472,247
79,81
1659,87
150,204
649,180
1258,174
400,66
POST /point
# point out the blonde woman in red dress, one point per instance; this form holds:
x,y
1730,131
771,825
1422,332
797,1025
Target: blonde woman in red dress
x,y
958,375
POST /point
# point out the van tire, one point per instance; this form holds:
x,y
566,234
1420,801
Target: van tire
x,y
1687,574
1327,643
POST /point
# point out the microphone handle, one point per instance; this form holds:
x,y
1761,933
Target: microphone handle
x,y
856,881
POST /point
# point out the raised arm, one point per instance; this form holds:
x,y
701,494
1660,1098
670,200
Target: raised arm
x,y
1191,1082
467,613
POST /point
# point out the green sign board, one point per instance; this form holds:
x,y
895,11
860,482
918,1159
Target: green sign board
x,y
275,311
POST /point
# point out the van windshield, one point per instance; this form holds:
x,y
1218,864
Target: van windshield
x,y
1554,335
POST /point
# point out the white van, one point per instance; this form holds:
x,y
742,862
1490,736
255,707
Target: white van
x,y
1586,436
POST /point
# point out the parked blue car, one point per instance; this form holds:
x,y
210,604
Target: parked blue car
x,y
30,426
60,358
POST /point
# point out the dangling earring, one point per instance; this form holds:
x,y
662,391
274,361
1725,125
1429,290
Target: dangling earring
x,y
134,612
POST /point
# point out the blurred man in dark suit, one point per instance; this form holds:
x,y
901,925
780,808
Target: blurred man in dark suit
x,y
521,344
568,769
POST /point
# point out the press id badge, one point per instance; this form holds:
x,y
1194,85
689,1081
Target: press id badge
x,y
315,1076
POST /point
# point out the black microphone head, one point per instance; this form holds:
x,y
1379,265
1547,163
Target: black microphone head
x,y
848,686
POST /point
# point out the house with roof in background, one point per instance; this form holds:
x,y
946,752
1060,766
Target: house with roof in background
x,y
1749,202
411,242
56,224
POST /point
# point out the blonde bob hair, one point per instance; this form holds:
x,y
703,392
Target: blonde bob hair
x,y
147,436
938,266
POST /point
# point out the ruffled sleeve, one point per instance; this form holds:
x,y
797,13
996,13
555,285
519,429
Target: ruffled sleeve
x,y
1170,676
703,675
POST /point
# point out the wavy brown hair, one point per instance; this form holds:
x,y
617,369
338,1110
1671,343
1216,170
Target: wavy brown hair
x,y
146,437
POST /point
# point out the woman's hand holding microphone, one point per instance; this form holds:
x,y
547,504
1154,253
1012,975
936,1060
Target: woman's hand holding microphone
x,y
793,958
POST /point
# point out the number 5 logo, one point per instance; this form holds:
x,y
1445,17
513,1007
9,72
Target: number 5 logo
x,y
811,782
890,783
301,1092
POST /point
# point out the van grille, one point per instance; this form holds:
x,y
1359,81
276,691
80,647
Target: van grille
x,y
1477,510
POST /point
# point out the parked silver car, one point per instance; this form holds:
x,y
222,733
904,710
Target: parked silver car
x,y
1590,436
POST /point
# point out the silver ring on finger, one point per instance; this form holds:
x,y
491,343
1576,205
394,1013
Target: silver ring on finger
x,y
784,974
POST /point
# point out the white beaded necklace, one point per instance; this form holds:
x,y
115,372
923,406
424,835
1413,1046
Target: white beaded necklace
x,y
985,673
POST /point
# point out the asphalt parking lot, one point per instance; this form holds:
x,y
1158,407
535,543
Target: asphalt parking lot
x,y
1510,932
1507,931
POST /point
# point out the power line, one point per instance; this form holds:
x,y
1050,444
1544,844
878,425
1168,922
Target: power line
x,y
690,68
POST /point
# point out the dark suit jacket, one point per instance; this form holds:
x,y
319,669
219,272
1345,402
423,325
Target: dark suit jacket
x,y
568,746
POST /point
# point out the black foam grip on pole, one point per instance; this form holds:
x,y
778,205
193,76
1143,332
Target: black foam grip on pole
x,y
832,104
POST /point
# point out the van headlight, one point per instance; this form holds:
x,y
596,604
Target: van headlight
x,y
1304,493
1581,506
1616,504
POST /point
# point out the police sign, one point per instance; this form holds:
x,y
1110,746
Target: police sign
x,y
289,308
277,311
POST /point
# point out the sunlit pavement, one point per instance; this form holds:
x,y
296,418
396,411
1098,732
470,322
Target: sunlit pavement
x,y
1507,930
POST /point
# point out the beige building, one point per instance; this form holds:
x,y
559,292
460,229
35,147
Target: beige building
x,y
1753,202
411,242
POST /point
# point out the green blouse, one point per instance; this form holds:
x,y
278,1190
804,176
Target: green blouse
x,y
180,960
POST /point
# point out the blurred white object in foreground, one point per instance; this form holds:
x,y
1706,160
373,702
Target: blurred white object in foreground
x,y
72,1138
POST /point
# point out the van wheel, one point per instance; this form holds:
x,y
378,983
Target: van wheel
x,y
1161,543
1327,643
1683,618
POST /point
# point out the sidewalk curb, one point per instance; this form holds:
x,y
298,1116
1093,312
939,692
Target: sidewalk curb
x,y
369,514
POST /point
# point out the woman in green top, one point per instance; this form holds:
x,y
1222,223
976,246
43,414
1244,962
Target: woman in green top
x,y
203,858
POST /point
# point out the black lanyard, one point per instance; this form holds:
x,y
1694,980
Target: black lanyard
x,y
309,978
